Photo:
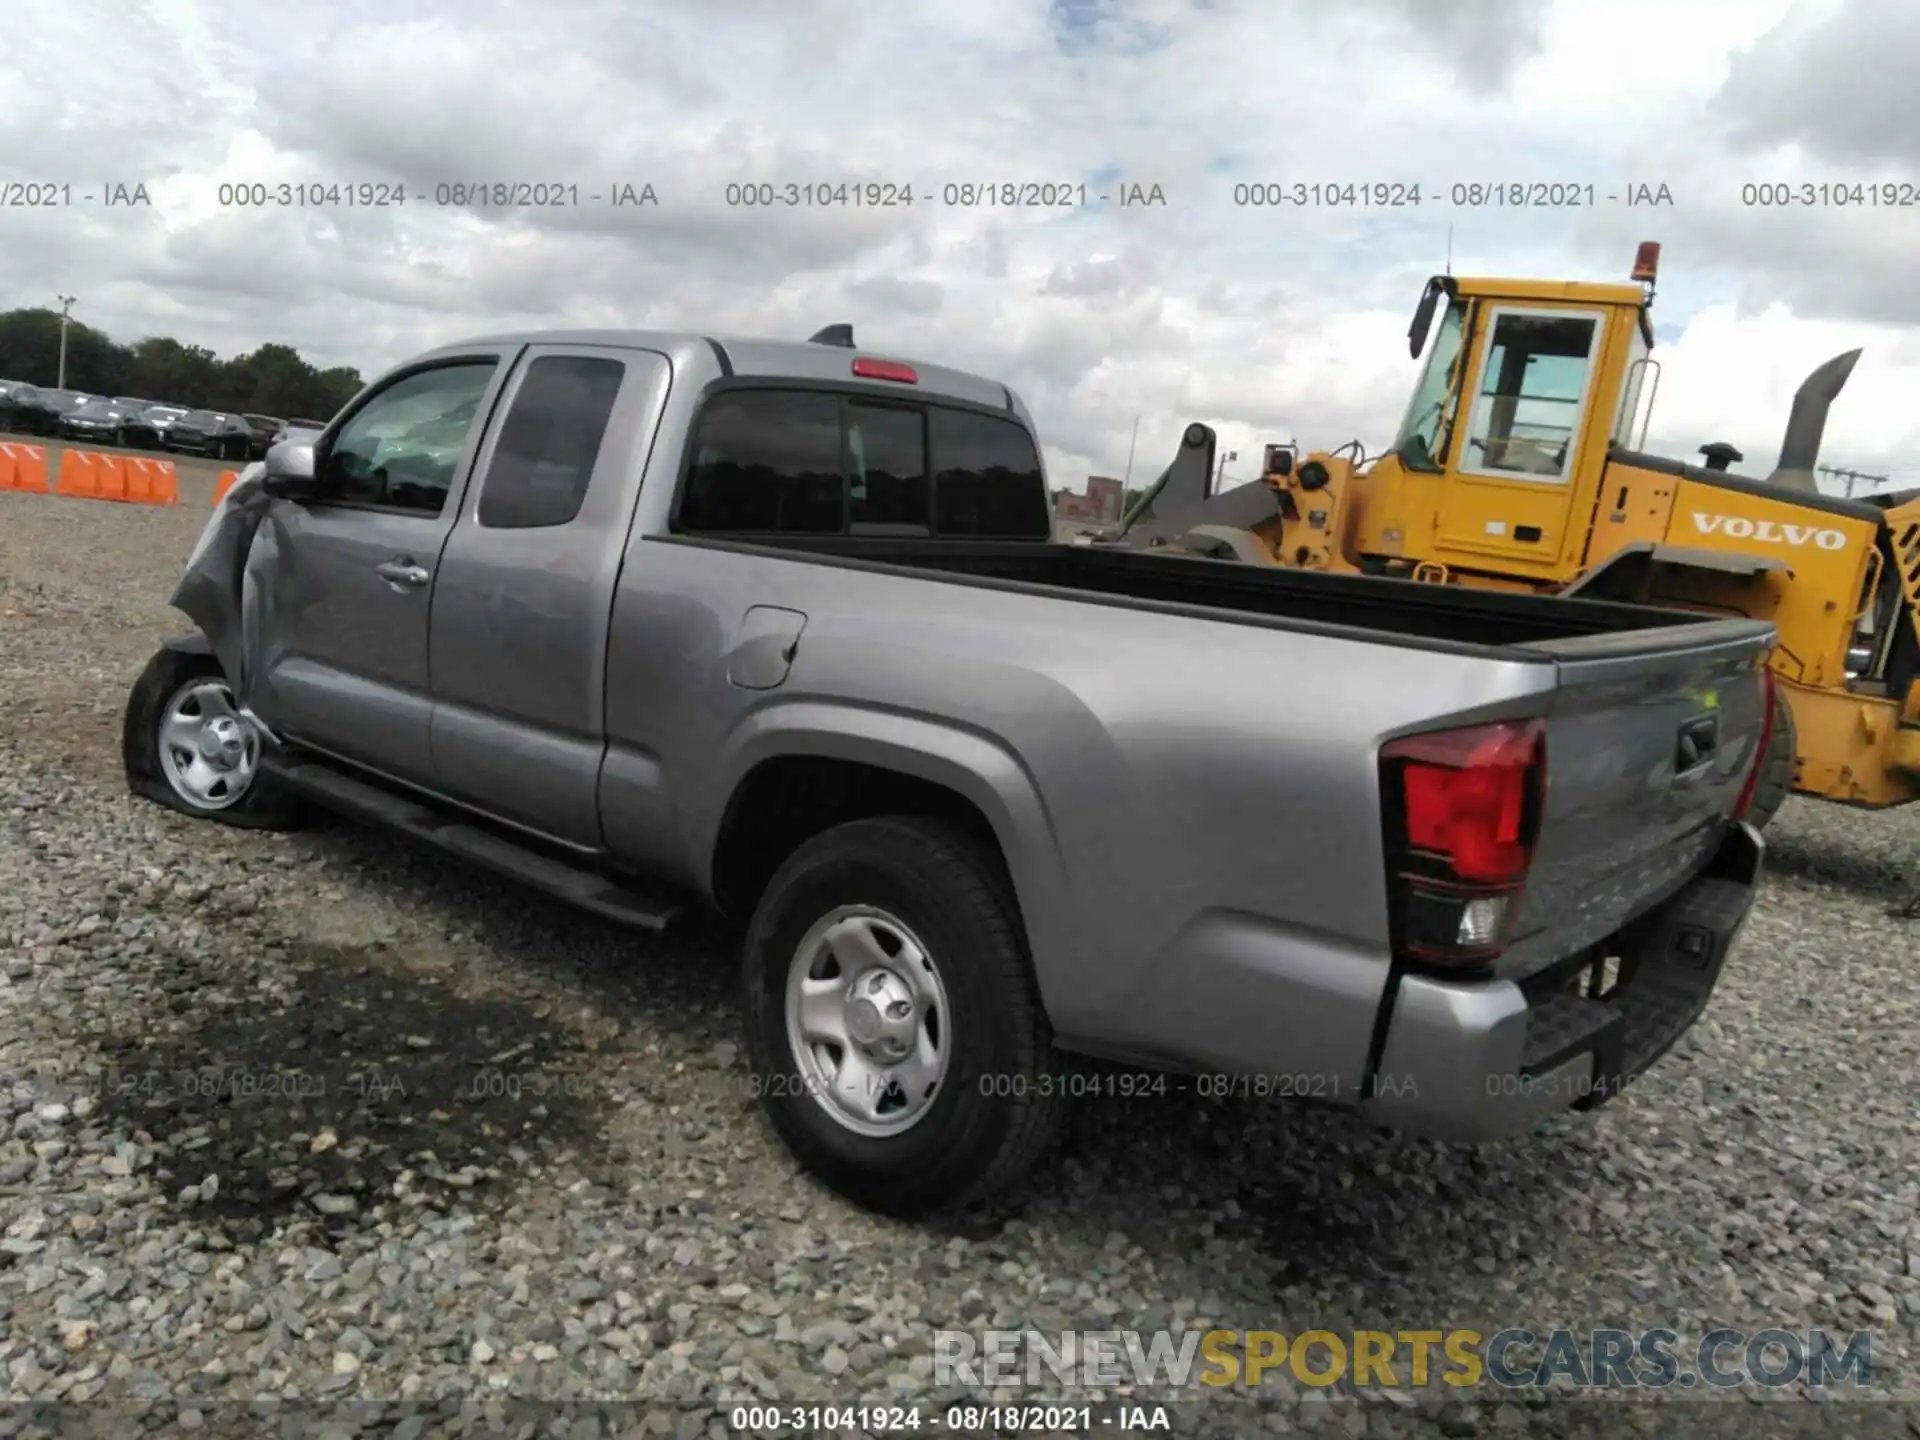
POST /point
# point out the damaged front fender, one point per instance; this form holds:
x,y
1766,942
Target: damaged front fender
x,y
214,592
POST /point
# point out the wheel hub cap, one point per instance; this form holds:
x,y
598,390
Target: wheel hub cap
x,y
867,1021
881,1015
223,741
208,751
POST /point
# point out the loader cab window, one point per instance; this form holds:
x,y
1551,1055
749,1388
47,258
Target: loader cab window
x,y
1625,423
1531,395
1419,444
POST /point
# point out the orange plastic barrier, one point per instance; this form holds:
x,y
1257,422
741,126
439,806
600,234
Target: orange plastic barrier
x,y
23,468
227,477
86,476
151,482
89,475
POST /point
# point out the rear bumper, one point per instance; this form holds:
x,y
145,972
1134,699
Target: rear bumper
x,y
1479,1062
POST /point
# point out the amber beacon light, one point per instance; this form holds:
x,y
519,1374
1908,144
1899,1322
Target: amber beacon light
x,y
1646,261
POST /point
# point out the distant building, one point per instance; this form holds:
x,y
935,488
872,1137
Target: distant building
x,y
1102,504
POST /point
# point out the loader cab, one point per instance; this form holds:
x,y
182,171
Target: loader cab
x,y
1498,459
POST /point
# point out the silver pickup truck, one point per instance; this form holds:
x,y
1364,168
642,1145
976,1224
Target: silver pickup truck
x,y
648,620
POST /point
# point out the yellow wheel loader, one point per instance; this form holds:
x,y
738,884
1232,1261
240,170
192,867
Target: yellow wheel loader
x,y
1516,467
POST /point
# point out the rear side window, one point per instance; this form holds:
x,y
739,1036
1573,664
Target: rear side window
x,y
550,441
987,479
767,460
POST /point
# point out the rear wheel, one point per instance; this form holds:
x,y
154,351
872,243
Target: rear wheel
x,y
1776,766
895,1031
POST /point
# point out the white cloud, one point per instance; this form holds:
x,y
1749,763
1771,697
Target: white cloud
x,y
1732,377
1269,323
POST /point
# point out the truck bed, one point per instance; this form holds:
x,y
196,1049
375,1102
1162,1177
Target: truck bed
x,y
1436,617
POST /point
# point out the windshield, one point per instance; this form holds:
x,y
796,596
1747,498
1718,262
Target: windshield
x,y
203,417
1418,442
99,410
164,412
66,399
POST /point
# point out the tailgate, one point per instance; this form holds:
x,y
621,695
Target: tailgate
x,y
1651,735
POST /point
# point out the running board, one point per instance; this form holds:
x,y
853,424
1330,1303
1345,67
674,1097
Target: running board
x,y
358,799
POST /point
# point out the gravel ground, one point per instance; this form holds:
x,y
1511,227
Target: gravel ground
x,y
472,1149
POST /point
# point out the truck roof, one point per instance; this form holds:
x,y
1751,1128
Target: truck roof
x,y
749,355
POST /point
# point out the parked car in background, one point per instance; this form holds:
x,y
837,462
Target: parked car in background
x,y
265,428
146,425
219,434
9,389
150,431
104,422
38,412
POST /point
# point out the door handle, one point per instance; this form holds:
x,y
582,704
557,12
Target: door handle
x,y
402,573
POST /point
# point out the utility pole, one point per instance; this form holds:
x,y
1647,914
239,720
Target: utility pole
x,y
1851,477
1128,482
66,304
1220,472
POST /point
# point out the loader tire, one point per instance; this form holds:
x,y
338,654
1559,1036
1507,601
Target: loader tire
x,y
1776,766
180,689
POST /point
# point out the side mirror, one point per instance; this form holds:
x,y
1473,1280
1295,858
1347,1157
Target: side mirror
x,y
290,471
1423,313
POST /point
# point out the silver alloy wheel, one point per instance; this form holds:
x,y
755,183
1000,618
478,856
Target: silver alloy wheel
x,y
867,1021
209,752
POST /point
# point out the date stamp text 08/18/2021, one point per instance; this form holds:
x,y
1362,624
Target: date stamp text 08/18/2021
x,y
482,195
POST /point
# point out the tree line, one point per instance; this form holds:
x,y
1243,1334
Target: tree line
x,y
271,380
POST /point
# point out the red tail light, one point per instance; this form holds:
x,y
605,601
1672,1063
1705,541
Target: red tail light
x,y
1462,808
1745,802
885,370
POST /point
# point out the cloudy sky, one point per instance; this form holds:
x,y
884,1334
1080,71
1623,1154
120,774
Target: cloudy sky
x,y
1269,323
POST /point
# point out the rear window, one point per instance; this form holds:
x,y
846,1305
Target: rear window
x,y
987,478
767,460
815,463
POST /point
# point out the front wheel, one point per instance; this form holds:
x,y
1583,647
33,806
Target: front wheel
x,y
895,1031
1776,766
187,746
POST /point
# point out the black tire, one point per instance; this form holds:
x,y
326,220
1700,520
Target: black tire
x,y
1777,766
263,806
999,1103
